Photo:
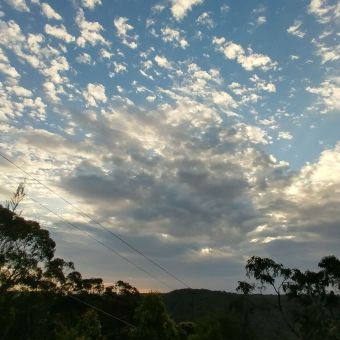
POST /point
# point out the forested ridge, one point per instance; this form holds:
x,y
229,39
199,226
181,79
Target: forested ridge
x,y
44,297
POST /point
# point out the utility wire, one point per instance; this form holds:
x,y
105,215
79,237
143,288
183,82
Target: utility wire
x,y
115,252
101,310
98,223
100,242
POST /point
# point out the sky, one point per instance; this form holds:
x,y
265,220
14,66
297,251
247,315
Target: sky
x,y
201,132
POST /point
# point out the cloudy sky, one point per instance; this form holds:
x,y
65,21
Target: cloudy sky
x,y
200,131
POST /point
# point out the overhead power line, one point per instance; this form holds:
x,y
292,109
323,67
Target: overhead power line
x,y
101,243
126,243
101,311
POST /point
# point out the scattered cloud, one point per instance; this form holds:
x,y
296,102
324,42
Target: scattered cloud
x,y
324,11
295,31
224,9
59,32
94,94
84,58
327,53
174,36
123,29
176,148
105,54
119,67
261,20
328,94
223,98
180,8
162,62
49,12
89,31
205,20
294,57
21,91
91,4
19,5
247,59
285,135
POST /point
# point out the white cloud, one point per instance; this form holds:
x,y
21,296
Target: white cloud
x,y
248,60
94,94
123,29
105,54
205,20
51,91
174,36
162,62
324,11
158,8
262,85
151,99
328,94
9,71
294,29
250,133
49,12
327,53
59,32
21,91
119,67
261,20
224,9
36,108
294,57
11,35
315,189
233,51
180,8
285,135
19,5
122,26
91,4
89,31
84,58
223,98
57,65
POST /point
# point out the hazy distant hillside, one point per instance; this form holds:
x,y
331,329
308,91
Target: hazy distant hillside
x,y
194,304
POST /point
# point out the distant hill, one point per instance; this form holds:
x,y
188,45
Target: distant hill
x,y
195,304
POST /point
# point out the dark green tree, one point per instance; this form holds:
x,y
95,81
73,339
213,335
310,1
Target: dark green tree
x,y
317,315
152,320
87,328
245,288
25,250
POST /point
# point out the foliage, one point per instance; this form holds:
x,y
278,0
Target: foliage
x,y
153,321
25,249
40,297
318,315
13,203
87,328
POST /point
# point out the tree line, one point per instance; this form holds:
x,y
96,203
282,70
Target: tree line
x,y
45,297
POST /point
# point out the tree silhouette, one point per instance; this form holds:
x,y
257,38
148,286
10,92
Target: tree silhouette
x,y
153,321
318,314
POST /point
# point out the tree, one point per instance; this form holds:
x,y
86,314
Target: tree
x,y
13,203
124,288
268,272
246,288
25,249
318,314
27,255
87,328
153,321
